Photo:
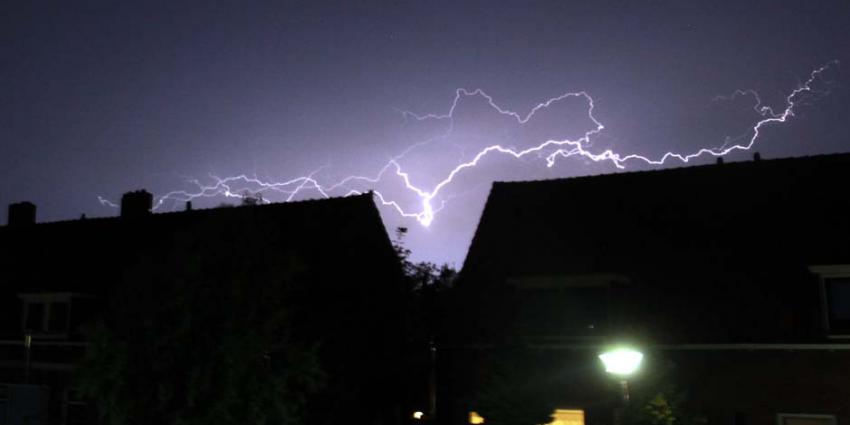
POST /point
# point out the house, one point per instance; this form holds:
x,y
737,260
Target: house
x,y
733,279
55,277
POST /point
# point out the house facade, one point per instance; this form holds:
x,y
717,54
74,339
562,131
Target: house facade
x,y
732,279
57,277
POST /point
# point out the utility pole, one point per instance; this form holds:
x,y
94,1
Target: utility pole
x,y
432,382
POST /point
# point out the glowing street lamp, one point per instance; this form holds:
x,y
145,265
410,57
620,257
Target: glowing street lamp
x,y
622,362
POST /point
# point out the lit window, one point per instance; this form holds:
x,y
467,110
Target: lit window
x,y
559,417
567,417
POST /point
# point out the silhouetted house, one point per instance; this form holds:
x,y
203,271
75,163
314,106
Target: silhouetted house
x,y
735,275
56,276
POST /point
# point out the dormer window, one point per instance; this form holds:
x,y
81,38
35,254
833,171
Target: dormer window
x,y
835,298
46,315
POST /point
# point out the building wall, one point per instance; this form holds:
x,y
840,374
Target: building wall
x,y
352,296
724,386
717,254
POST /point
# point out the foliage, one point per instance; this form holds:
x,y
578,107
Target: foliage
x,y
658,411
211,343
427,276
252,198
428,286
511,393
659,401
422,275
427,289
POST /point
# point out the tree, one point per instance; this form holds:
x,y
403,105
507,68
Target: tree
x,y
657,400
513,393
197,336
429,286
424,275
249,198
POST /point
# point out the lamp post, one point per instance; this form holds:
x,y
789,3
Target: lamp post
x,y
28,347
622,362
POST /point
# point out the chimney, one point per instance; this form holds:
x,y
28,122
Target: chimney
x,y
136,204
719,160
756,157
21,214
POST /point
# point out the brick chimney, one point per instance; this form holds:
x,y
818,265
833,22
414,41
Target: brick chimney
x,y
136,204
21,214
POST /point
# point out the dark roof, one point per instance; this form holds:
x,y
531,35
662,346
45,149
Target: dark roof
x,y
332,236
739,213
171,217
715,253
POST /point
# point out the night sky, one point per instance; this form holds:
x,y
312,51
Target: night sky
x,y
99,98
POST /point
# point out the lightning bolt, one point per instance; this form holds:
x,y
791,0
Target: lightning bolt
x,y
551,150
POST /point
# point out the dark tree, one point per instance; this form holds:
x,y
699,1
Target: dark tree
x,y
513,393
657,399
197,336
428,288
423,276
252,198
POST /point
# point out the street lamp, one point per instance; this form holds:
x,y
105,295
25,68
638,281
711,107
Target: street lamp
x,y
622,362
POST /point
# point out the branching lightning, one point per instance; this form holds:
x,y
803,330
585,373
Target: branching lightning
x,y
550,150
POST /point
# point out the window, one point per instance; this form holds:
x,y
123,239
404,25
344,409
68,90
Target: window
x,y
804,419
837,291
34,317
574,306
57,319
559,417
835,299
46,314
567,417
564,312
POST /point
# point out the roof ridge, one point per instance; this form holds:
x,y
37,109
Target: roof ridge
x,y
688,167
284,204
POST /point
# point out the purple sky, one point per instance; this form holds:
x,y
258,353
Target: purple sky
x,y
104,97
